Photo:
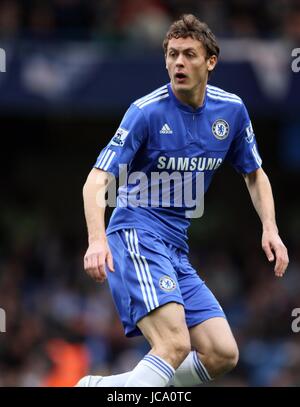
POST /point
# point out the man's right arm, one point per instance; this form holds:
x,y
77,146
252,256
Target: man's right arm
x,y
120,150
98,253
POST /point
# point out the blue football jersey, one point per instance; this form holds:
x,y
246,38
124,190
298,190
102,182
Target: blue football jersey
x,y
161,135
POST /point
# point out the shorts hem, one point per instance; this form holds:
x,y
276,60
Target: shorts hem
x,y
205,318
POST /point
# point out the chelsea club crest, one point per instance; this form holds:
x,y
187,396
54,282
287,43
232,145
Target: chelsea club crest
x,y
220,129
166,283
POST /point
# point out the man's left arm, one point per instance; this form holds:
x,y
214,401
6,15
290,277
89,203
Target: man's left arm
x,y
260,190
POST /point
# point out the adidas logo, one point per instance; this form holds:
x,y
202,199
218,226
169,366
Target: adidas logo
x,y
166,129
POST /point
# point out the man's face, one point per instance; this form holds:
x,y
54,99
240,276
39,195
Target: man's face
x,y
187,64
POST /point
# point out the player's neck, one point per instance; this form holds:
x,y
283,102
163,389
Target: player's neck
x,y
194,97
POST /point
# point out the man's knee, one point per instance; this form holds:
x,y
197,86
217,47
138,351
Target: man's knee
x,y
216,346
175,345
229,357
178,343
166,331
220,359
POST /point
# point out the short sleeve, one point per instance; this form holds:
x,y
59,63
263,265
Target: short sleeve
x,y
125,143
243,154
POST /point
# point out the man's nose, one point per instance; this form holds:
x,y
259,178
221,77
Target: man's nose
x,y
180,60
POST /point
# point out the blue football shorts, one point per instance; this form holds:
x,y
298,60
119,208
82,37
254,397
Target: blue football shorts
x,y
150,273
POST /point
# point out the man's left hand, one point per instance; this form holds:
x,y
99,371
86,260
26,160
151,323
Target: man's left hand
x,y
275,249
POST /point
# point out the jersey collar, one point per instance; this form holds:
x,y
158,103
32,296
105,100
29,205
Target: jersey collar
x,y
183,106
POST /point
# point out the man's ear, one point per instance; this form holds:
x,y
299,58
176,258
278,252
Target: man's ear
x,y
211,62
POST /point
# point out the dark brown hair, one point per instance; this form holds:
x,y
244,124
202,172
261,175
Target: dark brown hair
x,y
189,26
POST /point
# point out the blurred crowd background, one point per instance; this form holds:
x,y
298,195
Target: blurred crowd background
x,y
123,20
60,325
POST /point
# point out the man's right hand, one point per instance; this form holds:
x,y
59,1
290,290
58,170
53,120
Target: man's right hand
x,y
96,257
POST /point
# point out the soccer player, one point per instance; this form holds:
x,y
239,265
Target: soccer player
x,y
186,126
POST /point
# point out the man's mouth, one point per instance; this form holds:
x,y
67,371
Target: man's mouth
x,y
180,76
